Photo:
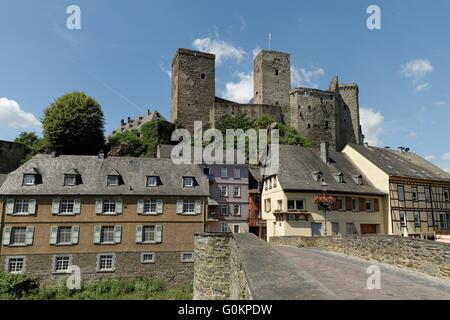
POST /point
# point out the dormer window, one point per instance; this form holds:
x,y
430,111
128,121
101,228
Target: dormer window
x,y
358,179
318,176
70,180
113,180
29,179
188,182
152,181
339,177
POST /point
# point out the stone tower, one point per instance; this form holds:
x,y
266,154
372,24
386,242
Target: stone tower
x,y
350,121
193,87
272,78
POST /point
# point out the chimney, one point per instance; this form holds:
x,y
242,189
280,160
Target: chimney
x,y
324,152
101,154
122,122
129,119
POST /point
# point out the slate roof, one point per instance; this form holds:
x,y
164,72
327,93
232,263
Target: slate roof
x,y
94,172
402,164
298,164
2,178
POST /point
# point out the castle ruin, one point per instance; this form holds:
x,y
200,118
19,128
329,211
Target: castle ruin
x,y
320,115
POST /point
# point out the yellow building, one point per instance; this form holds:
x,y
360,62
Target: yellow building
x,y
419,192
288,197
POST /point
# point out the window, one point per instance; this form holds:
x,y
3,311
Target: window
x,y
70,180
427,193
276,72
237,210
188,206
236,228
29,179
266,185
206,170
326,124
18,236
296,205
15,264
369,205
113,181
64,235
223,191
279,205
292,217
107,234
447,195
401,192
417,219
414,194
340,178
354,204
237,192
105,262
335,228
224,172
316,229
224,209
66,206
188,182
150,206
109,206
148,257
270,184
203,76
274,182
340,204
237,173
148,234
257,199
349,229
268,205
61,264
430,219
21,206
257,213
187,257
403,218
152,181
224,227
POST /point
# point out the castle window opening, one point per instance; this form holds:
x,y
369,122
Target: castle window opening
x,y
309,125
203,76
326,124
309,107
276,72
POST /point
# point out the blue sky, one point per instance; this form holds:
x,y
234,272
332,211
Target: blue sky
x,y
124,49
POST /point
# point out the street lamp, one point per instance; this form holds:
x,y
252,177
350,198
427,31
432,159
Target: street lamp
x,y
324,187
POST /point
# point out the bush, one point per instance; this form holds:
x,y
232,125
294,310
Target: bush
x,y
16,286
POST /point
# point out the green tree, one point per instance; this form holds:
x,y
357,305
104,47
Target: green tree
x,y
33,144
156,132
74,124
234,121
127,143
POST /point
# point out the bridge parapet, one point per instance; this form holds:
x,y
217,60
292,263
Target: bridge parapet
x,y
429,257
243,267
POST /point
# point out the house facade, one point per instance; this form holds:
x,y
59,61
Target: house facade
x,y
289,197
257,225
419,192
107,216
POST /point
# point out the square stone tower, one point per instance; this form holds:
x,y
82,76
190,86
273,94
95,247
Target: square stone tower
x,y
193,87
272,78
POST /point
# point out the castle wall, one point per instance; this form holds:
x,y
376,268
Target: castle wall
x,y
11,154
349,112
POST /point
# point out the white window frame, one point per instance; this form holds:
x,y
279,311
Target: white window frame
x,y
237,173
67,203
60,243
148,261
401,195
371,206
237,192
186,180
189,260
187,204
99,262
22,205
18,244
149,203
404,220
414,194
428,195
112,183
447,195
102,241
110,204
152,181
144,227
8,264
430,219
295,204
234,228
349,227
68,182
224,191
234,210
224,206
224,172
224,227
343,204
32,182
55,263
417,223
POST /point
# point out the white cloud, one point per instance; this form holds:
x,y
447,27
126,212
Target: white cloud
x,y
12,116
440,103
241,91
417,70
372,125
256,51
411,135
430,157
222,49
306,78
446,156
166,71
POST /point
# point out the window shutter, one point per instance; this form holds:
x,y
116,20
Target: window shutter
x,y
77,206
53,235
159,206
179,206
55,206
32,206
30,235
362,204
139,234
158,233
9,206
198,206
117,234
97,231
75,234
140,206
376,205
348,204
119,206
99,206
334,205
6,236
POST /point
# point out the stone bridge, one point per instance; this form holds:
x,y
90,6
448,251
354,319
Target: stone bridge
x,y
241,267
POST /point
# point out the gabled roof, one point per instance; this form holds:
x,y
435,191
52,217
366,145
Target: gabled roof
x,y
72,171
32,171
298,165
114,172
93,170
401,163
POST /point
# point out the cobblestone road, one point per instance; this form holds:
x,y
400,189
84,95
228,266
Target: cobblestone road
x,y
346,277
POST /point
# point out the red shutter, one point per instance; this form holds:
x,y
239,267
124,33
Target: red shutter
x,y
334,205
362,204
348,204
376,205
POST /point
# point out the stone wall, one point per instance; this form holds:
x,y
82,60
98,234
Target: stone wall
x,y
167,266
11,154
430,257
243,267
